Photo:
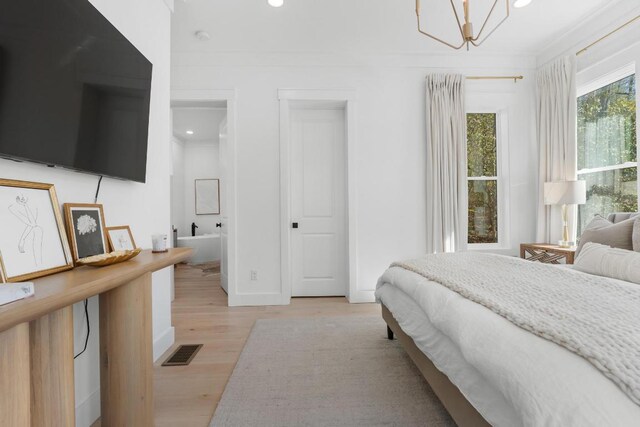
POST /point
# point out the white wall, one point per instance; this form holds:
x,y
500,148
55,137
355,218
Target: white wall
x,y
194,157
143,206
202,161
390,148
191,161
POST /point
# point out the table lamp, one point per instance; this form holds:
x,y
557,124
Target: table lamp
x,y
565,193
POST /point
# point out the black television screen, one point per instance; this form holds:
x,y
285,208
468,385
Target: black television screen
x,y
74,92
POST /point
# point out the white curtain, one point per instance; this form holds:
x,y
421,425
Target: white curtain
x,y
556,125
446,163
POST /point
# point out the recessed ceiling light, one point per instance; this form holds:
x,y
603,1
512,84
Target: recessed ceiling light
x,y
275,3
189,132
521,3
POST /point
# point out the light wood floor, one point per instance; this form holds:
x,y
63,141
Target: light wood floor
x,y
188,395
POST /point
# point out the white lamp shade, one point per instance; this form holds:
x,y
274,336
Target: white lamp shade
x,y
521,3
565,193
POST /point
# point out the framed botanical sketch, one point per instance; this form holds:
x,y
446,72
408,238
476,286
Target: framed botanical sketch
x,y
87,232
33,242
207,197
120,238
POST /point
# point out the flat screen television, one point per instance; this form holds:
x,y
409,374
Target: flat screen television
x,y
74,92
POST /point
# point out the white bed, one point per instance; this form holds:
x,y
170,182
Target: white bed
x,y
512,377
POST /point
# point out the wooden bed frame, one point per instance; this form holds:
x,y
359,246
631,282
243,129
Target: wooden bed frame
x,y
462,412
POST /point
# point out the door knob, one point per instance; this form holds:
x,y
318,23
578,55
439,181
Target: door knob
x,y
294,225
219,225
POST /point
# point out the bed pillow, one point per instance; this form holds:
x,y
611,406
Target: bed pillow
x,y
601,230
616,263
635,235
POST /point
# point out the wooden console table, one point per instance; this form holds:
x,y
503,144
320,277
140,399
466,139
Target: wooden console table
x,y
36,345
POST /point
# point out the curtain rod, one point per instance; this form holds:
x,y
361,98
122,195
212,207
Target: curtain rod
x,y
629,22
514,78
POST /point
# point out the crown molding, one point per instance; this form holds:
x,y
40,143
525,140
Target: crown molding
x,y
592,28
477,63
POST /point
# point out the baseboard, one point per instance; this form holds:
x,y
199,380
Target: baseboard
x,y
360,297
163,343
248,300
88,411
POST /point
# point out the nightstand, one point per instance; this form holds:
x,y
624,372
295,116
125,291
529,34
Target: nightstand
x,y
547,253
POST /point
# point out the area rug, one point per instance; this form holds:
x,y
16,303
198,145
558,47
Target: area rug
x,y
208,268
338,371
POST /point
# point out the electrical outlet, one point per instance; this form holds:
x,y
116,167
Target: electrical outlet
x,y
254,275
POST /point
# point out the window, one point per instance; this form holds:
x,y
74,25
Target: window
x,y
482,172
607,158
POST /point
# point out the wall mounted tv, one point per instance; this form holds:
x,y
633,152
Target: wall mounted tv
x,y
74,92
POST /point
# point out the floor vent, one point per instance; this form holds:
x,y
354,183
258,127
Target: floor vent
x,y
183,355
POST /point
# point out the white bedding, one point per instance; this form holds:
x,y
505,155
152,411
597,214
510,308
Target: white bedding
x,y
511,376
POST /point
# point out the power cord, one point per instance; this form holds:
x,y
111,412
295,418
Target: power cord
x,y
86,339
95,200
86,301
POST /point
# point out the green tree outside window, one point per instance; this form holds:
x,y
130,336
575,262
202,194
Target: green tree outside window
x,y
607,156
482,172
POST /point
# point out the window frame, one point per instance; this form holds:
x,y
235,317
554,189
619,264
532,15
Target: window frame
x,y
606,79
594,83
502,179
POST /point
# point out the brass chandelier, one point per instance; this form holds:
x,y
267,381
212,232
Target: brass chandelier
x,y
466,29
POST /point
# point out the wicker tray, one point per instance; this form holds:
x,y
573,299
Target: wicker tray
x,y
109,259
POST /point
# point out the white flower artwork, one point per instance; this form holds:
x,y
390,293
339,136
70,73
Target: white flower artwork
x,y
88,236
86,225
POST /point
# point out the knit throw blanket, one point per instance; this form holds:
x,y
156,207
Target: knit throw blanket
x,y
594,317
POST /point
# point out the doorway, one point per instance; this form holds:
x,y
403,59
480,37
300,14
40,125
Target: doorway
x,y
318,194
318,200
203,181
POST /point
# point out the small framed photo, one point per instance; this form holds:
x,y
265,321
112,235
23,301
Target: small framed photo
x,y
33,242
121,238
207,196
87,232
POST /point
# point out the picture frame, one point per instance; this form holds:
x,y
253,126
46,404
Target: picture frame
x,y
33,241
207,193
2,278
120,238
86,229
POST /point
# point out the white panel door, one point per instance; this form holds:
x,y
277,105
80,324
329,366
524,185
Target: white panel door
x,y
318,203
224,275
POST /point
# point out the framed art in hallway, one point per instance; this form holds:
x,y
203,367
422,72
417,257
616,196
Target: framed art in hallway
x,y
33,242
86,229
207,196
121,238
